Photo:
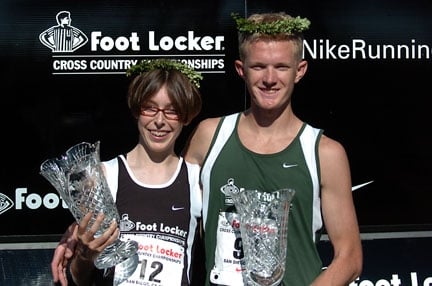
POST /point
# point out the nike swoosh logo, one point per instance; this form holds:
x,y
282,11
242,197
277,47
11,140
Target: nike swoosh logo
x,y
356,187
285,165
176,208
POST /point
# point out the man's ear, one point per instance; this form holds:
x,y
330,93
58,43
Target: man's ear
x,y
301,70
238,64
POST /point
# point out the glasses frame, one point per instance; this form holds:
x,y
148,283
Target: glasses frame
x,y
152,111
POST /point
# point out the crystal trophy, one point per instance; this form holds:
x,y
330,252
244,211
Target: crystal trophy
x,y
78,177
263,227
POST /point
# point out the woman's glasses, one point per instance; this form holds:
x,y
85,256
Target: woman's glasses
x,y
152,111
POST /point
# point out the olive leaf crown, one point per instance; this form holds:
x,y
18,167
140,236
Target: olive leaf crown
x,y
286,26
165,64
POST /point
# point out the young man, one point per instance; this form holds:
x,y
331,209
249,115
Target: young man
x,y
268,148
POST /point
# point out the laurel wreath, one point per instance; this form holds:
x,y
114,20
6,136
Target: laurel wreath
x,y
165,64
286,26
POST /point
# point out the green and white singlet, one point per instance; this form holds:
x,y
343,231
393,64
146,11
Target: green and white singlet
x,y
230,165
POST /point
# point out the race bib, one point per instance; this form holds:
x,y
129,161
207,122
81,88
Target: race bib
x,y
160,262
229,265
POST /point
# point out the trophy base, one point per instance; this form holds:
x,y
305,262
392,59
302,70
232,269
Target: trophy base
x,y
125,269
273,280
116,253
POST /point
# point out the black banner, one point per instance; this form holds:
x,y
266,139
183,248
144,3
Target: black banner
x,y
366,86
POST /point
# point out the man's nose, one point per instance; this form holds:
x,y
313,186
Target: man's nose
x,y
269,76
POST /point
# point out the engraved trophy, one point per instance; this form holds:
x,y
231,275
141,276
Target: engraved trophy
x,y
78,178
263,227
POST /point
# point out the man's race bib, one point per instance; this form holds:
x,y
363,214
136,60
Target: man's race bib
x,y
229,251
160,262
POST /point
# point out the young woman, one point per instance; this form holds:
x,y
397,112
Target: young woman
x,y
157,192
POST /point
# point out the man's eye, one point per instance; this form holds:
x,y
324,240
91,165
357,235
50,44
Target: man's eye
x,y
283,68
257,67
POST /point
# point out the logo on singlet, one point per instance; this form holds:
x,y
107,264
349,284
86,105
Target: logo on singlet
x,y
174,208
286,165
125,223
228,189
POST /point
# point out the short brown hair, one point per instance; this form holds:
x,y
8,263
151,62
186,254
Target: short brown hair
x,y
185,96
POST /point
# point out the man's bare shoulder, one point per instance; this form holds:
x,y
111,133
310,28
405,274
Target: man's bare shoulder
x,y
200,140
334,164
209,125
329,147
206,130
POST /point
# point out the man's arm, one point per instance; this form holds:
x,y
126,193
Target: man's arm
x,y
339,215
199,143
88,247
63,253
79,247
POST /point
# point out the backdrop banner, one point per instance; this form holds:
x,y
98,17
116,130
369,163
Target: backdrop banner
x,y
367,85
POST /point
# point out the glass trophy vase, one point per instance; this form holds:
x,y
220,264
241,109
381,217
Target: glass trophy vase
x,y
263,226
78,178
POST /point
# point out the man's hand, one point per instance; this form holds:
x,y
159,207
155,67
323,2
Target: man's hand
x,y
63,253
